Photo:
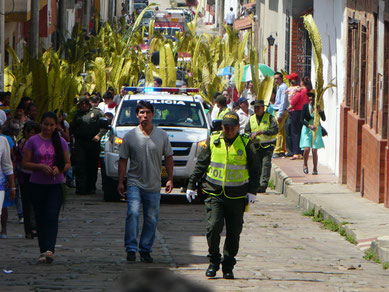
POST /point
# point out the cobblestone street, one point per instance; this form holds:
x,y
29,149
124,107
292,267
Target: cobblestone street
x,y
280,250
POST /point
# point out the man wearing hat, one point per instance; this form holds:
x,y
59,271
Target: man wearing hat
x,y
87,134
230,165
221,104
244,113
263,129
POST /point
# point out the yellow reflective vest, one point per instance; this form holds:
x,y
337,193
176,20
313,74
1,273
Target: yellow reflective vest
x,y
228,165
220,114
263,126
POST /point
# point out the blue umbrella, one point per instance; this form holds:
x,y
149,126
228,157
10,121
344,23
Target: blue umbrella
x,y
226,71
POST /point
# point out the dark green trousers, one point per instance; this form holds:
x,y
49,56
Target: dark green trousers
x,y
265,155
85,159
219,210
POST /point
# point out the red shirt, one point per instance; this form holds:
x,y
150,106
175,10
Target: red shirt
x,y
299,99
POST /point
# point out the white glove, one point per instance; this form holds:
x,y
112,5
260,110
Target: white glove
x,y
252,198
190,195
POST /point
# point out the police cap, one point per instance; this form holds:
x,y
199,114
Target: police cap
x,y
258,102
83,99
230,118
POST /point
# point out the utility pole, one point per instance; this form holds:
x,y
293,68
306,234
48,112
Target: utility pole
x,y
220,15
34,29
61,27
86,16
131,8
110,10
2,11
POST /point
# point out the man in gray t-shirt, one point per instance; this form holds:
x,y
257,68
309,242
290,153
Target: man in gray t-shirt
x,y
144,146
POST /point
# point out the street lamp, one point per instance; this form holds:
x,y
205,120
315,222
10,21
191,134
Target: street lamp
x,y
271,40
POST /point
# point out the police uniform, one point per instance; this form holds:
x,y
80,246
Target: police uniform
x,y
84,128
221,113
230,169
264,143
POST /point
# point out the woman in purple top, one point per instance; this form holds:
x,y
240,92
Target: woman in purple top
x,y
47,155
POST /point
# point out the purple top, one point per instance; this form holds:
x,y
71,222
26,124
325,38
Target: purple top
x,y
43,152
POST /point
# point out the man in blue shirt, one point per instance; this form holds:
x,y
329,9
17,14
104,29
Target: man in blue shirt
x,y
280,105
230,18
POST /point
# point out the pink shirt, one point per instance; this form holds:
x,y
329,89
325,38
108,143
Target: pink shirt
x,y
299,99
43,152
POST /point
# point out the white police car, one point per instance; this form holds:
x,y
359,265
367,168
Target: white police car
x,y
183,118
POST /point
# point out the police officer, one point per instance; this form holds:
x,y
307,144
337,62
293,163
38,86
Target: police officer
x,y
263,129
219,110
221,103
87,134
229,163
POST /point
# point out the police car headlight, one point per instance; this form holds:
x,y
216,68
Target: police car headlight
x,y
116,144
200,146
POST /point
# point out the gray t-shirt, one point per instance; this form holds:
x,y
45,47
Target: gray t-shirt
x,y
145,154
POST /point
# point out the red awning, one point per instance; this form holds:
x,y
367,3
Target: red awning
x,y
243,23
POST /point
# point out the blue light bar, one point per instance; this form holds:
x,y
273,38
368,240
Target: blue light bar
x,y
161,89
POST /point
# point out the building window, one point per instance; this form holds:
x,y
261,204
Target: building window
x,y
355,73
304,52
349,87
364,47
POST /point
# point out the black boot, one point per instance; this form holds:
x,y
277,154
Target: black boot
x,y
228,274
212,269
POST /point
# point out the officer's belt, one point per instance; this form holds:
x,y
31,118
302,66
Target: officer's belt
x,y
227,183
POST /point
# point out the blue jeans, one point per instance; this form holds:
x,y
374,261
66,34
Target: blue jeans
x,y
150,201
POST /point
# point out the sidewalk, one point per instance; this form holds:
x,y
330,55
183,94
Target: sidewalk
x,y
365,221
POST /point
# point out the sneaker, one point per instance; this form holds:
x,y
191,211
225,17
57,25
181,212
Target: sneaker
x,y
131,256
3,236
49,257
21,220
42,258
278,155
145,257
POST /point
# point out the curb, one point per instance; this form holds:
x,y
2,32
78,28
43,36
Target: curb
x,y
305,199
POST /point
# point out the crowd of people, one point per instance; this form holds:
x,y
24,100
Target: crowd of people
x,y
37,157
292,108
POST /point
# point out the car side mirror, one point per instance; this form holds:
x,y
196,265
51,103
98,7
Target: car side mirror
x,y
104,123
216,125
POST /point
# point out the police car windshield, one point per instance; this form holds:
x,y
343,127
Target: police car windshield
x,y
168,30
174,113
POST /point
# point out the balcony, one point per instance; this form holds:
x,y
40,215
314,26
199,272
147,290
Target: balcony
x,y
21,11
